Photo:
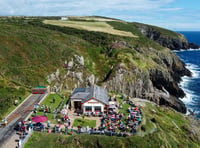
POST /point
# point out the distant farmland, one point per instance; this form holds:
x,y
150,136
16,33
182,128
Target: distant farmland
x,y
98,26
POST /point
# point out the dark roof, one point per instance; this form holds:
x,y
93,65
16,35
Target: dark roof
x,y
40,86
95,91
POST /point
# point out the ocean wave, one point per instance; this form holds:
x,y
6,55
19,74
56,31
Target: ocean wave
x,y
182,50
195,69
193,49
188,99
190,95
196,111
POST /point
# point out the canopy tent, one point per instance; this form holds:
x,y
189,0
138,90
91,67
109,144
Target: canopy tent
x,y
39,119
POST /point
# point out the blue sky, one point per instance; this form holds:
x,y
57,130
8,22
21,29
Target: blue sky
x,y
172,14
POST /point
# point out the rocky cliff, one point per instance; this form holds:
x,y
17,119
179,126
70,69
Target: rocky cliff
x,y
166,38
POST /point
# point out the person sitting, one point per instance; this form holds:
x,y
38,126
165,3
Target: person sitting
x,y
79,129
49,130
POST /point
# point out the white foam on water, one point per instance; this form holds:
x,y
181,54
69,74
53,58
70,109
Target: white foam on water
x,y
182,50
190,95
197,111
194,69
193,49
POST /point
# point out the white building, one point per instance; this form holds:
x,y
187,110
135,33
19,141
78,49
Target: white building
x,y
92,99
64,19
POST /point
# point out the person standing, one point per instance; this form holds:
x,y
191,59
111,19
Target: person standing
x,y
31,125
60,130
48,124
55,128
69,122
72,130
23,129
66,129
87,128
5,122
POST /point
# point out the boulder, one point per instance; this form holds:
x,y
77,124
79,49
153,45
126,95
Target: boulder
x,y
57,74
79,59
79,76
70,65
90,80
51,78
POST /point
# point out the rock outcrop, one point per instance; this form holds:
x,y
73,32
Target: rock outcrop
x,y
172,42
154,86
193,46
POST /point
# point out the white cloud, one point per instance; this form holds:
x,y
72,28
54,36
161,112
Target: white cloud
x,y
170,9
58,7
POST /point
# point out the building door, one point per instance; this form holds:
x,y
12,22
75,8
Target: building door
x,y
77,105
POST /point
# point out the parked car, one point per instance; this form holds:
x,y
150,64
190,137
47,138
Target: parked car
x,y
17,127
38,126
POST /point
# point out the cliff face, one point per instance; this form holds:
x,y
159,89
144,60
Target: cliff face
x,y
155,85
171,40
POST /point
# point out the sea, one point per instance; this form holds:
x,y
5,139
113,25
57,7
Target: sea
x,y
191,85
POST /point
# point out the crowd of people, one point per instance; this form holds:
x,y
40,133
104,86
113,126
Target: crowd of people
x,y
112,123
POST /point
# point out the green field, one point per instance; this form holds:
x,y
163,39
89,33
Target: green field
x,y
84,122
49,102
90,26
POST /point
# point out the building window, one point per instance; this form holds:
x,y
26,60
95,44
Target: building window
x,y
97,108
88,108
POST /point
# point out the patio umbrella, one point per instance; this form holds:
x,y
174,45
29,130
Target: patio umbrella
x,y
39,119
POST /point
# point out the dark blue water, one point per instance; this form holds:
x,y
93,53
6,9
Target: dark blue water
x,y
191,86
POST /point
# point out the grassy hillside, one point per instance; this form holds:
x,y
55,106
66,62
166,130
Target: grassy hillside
x,y
162,127
30,50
